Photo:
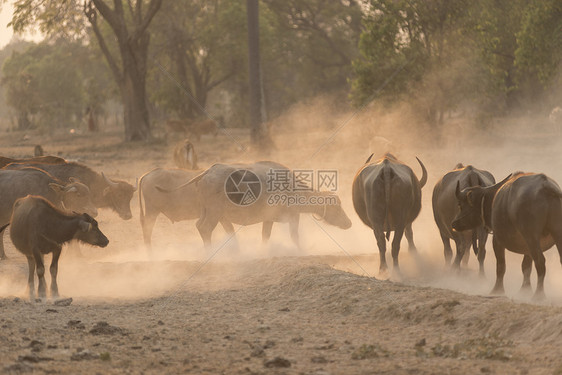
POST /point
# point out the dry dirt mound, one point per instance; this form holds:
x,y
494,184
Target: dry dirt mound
x,y
282,315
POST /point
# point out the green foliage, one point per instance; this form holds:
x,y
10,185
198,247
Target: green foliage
x,y
496,54
405,47
306,47
54,82
539,40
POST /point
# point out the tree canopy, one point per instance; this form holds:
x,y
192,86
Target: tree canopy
x,y
186,59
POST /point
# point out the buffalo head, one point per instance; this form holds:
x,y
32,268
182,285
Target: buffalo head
x,y
333,212
470,205
75,196
475,204
118,195
89,232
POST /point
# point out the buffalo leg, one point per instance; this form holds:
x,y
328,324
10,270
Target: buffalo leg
x,y
482,236
398,233
447,250
461,249
466,253
294,230
499,251
147,223
40,265
2,253
526,267
410,237
205,225
31,277
54,270
266,231
540,266
381,243
229,229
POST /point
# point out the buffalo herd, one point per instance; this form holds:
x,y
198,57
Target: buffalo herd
x,y
49,201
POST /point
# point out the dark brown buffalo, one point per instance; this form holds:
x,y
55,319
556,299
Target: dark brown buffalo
x,y
106,193
185,156
16,184
4,161
524,211
387,197
445,208
39,228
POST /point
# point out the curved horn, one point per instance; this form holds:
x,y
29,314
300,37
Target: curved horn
x,y
369,159
458,190
136,184
109,182
424,173
495,187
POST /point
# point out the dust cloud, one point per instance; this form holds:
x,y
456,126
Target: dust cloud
x,y
319,134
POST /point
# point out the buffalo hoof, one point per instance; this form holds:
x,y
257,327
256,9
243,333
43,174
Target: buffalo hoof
x,y
539,296
525,290
497,291
384,274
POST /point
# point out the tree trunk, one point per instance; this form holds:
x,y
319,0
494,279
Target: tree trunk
x,y
135,111
259,132
133,89
133,48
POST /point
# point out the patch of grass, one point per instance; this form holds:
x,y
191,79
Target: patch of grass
x,y
487,347
105,356
369,351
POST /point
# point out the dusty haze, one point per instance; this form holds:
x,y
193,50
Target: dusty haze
x,y
123,279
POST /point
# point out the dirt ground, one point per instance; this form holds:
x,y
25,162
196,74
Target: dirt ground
x,y
274,309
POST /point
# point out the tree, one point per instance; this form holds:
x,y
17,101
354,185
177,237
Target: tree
x,y
130,30
199,44
46,80
420,40
308,46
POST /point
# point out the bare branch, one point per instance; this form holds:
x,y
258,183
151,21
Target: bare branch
x,y
153,8
91,14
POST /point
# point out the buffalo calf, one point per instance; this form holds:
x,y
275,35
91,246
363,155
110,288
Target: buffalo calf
x,y
39,228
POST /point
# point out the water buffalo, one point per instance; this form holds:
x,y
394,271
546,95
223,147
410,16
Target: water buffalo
x,y
176,205
155,197
524,211
387,197
106,193
4,161
185,156
226,195
15,184
39,228
445,208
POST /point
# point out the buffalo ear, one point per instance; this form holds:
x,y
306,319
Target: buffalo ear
x,y
85,226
